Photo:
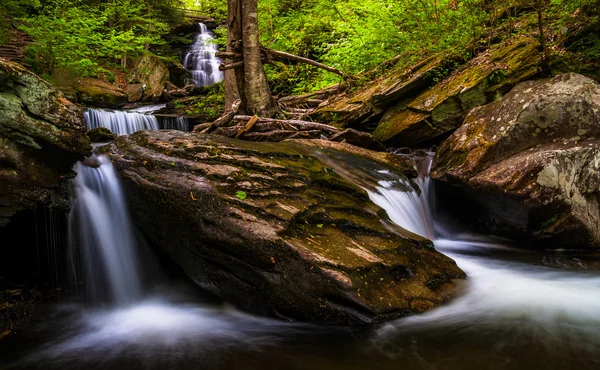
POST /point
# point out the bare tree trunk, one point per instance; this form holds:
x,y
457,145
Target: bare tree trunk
x,y
258,96
234,79
546,52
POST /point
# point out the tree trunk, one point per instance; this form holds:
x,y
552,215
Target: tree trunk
x,y
256,88
545,51
234,79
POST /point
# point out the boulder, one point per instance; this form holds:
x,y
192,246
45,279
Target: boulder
x,y
273,230
99,93
529,164
178,75
134,92
150,71
42,135
101,134
441,109
366,105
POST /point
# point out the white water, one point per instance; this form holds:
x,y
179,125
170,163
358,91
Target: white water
x,y
101,229
551,305
120,122
201,60
174,123
128,122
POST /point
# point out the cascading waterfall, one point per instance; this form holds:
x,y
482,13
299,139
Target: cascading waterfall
x,y
201,59
502,295
101,227
174,123
120,122
128,122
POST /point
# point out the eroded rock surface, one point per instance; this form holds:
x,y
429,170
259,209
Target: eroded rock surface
x,y
270,228
531,162
41,136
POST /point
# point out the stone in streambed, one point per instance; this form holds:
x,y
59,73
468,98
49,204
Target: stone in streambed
x,y
531,164
273,230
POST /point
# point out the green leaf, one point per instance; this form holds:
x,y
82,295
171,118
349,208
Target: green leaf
x,y
319,225
241,194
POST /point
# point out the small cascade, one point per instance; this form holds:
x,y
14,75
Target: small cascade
x,y
120,122
201,59
101,229
128,122
174,123
411,209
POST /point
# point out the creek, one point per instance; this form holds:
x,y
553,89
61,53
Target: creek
x,y
518,310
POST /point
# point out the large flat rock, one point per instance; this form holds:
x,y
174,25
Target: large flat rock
x,y
274,230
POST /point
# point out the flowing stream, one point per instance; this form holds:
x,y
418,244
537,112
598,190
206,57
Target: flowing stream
x,y
519,309
201,60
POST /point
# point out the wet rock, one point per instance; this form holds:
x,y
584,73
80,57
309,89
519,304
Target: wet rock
x,y
99,93
441,109
531,163
101,134
274,230
42,135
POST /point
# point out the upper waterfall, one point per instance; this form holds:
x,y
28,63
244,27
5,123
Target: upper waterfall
x,y
201,59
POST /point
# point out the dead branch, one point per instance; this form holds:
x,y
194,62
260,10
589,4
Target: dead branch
x,y
276,54
222,121
248,127
225,67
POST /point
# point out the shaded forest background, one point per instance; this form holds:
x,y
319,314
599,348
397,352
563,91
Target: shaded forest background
x,y
99,38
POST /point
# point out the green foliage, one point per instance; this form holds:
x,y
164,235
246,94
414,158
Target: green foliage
x,y
210,105
78,37
357,35
241,195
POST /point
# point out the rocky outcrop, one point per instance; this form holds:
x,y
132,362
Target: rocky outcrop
x,y
152,73
365,106
41,135
531,163
270,228
442,108
178,75
99,93
424,103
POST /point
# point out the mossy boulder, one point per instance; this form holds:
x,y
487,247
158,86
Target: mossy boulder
x,y
441,109
99,93
41,135
272,229
531,163
150,71
364,106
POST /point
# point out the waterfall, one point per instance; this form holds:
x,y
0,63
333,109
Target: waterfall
x,y
120,122
174,123
201,60
410,209
101,227
128,122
